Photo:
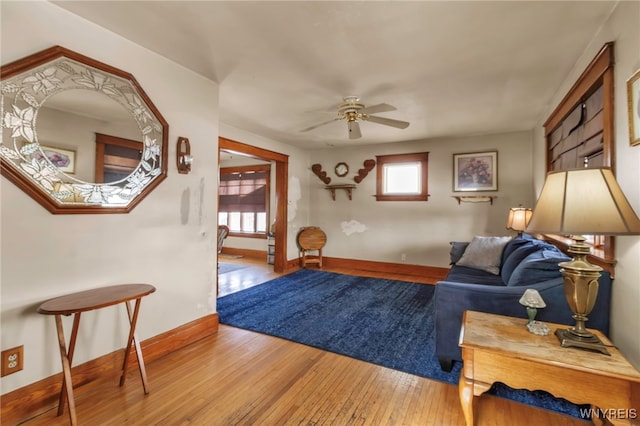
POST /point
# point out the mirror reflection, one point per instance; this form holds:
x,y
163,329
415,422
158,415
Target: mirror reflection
x,y
77,121
80,133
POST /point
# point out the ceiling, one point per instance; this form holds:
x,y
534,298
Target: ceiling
x,y
451,68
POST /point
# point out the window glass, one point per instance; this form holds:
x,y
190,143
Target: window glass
x,y
234,221
261,222
248,222
402,178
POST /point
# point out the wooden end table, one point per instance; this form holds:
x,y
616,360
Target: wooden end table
x,y
90,300
311,238
497,348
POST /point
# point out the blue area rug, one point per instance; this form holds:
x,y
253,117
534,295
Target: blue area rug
x,y
385,322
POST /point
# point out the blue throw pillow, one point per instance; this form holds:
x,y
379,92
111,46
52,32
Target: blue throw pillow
x,y
515,243
457,250
539,266
514,258
517,250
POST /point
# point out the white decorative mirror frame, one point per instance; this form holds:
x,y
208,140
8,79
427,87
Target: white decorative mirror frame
x,y
58,72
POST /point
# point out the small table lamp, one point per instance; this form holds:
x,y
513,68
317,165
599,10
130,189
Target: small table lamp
x,y
532,300
519,218
577,202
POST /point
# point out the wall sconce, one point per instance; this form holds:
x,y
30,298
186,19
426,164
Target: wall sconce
x,y
184,158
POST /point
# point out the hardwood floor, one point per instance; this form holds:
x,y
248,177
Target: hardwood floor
x,y
255,271
238,377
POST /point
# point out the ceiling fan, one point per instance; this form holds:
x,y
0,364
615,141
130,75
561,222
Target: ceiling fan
x,y
352,110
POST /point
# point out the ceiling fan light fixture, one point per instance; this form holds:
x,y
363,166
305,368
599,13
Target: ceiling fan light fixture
x,y
354,129
352,110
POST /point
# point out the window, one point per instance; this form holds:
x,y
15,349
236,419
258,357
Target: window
x,y
244,200
580,133
402,177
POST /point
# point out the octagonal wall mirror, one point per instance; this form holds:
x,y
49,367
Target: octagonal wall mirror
x,y
78,135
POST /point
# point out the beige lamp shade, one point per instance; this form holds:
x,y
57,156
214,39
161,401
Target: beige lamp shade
x,y
583,201
519,218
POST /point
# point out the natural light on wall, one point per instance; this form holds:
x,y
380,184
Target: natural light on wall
x,y
402,178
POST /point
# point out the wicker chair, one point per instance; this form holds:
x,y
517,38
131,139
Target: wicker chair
x,y
223,231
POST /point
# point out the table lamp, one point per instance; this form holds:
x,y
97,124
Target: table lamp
x,y
518,219
578,202
532,301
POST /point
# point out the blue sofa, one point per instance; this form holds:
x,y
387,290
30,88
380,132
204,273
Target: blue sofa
x,y
526,262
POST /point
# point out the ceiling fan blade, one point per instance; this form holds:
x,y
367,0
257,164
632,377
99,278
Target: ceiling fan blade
x,y
320,124
387,121
377,108
354,130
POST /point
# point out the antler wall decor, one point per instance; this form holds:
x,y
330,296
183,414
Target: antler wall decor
x,y
362,173
317,170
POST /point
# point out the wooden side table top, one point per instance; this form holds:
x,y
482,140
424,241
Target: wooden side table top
x,y
312,238
97,298
509,336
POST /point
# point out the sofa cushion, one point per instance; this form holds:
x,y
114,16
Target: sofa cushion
x,y
462,274
516,242
484,253
457,249
541,265
514,259
515,252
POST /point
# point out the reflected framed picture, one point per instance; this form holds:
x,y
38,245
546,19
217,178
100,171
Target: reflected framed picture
x,y
475,171
64,159
633,97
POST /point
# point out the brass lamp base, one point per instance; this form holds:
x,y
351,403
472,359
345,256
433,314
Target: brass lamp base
x,y
581,289
590,342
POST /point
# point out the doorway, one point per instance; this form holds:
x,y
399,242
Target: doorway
x,y
281,162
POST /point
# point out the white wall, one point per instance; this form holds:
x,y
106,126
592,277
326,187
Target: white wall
x,y
419,230
168,240
623,28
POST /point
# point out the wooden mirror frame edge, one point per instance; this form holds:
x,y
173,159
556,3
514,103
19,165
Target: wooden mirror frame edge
x,y
42,57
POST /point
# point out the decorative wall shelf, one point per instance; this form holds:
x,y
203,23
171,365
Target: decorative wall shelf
x,y
347,187
475,198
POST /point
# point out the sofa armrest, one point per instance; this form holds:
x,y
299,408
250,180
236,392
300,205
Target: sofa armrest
x,y
453,298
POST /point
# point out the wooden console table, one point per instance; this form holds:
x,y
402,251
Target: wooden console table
x,y
90,300
496,348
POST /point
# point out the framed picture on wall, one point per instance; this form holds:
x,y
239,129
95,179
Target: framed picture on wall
x,y
475,171
64,159
633,96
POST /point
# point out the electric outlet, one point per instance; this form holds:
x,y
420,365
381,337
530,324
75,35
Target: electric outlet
x,y
403,257
12,360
